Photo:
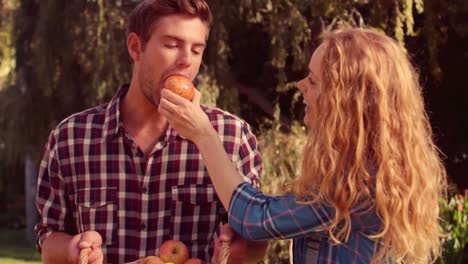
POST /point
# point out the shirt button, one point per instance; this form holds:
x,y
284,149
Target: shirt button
x,y
144,190
142,226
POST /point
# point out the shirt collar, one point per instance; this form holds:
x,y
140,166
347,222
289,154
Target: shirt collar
x,y
112,118
113,122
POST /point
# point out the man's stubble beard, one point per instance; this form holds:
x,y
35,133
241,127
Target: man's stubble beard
x,y
148,86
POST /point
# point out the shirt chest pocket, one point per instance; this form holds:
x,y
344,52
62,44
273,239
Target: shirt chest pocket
x,y
97,211
195,210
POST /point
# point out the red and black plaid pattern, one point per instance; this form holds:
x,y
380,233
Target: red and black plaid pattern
x,y
93,176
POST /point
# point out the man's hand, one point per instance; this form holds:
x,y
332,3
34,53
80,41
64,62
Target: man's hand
x,y
60,248
240,250
88,239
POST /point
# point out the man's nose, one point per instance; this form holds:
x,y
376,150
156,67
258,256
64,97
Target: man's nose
x,y
185,59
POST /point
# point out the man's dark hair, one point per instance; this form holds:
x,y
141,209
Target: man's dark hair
x,y
147,12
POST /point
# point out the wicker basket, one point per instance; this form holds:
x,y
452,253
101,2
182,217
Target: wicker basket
x,y
223,255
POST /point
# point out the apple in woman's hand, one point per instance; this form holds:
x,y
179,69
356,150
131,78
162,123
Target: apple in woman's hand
x,y
180,85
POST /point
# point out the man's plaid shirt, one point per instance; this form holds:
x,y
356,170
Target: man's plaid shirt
x,y
93,176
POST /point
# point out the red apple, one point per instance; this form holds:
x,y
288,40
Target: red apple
x,y
173,251
194,261
180,85
151,260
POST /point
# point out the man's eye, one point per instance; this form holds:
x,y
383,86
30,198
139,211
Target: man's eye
x,y
196,52
170,45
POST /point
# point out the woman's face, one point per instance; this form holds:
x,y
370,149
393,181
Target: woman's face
x,y
309,86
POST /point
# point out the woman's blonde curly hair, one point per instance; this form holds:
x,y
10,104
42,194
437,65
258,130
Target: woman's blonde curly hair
x,y
370,140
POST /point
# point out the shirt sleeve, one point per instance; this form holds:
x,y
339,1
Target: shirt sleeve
x,y
51,196
249,163
257,217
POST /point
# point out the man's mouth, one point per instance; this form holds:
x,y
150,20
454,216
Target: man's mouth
x,y
177,73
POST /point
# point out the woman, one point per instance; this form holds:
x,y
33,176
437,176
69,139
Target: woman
x,y
371,176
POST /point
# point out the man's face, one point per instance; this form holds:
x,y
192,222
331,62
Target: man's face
x,y
176,46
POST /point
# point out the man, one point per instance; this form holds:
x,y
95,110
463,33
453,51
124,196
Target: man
x,y
117,179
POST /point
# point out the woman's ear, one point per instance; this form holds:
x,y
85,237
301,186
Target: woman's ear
x,y
134,46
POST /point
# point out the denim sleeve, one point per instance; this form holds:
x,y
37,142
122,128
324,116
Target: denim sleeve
x,y
256,216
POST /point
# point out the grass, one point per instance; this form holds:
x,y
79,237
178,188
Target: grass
x,y
18,261
16,249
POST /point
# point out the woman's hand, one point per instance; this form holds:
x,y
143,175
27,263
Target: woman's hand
x,y
186,117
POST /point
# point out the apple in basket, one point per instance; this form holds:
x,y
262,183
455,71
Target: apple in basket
x,y
173,251
180,85
194,261
151,260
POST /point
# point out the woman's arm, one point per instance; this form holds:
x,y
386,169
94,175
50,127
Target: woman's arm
x,y
257,216
252,214
222,171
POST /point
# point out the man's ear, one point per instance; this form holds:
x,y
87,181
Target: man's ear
x,y
134,46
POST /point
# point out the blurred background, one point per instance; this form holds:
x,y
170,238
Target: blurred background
x,y
59,57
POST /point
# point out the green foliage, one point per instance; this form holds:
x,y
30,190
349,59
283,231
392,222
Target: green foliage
x,y
14,248
15,261
7,51
71,55
224,93
281,153
454,212
209,89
